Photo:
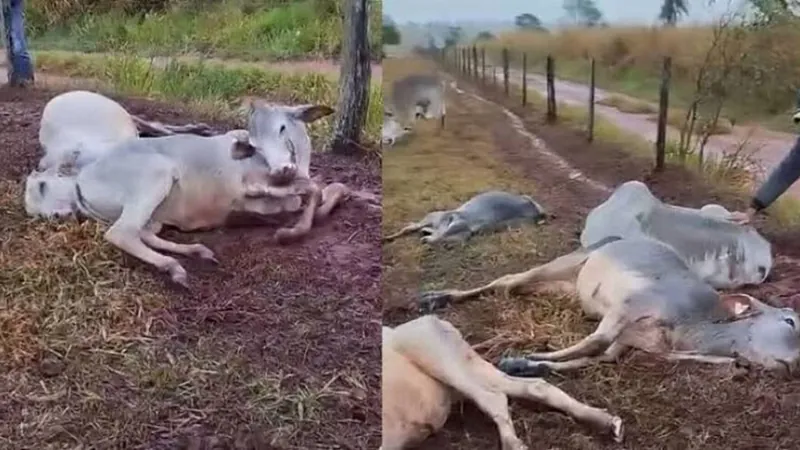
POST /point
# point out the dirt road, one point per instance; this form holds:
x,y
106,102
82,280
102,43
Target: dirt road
x,y
766,147
277,347
664,404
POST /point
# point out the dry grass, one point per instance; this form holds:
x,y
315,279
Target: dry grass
x,y
83,345
629,61
676,119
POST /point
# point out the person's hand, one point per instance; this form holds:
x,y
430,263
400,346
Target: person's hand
x,y
742,217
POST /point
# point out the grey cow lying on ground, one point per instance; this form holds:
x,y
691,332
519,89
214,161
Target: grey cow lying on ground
x,y
647,297
485,212
418,96
77,128
724,254
427,366
195,182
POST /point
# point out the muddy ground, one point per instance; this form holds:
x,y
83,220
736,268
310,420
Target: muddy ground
x,y
277,347
664,405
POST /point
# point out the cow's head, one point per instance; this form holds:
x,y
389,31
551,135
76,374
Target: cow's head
x,y
280,137
771,336
50,193
392,131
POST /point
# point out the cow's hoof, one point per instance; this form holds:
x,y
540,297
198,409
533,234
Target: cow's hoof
x,y
433,300
287,235
180,278
521,367
617,429
205,253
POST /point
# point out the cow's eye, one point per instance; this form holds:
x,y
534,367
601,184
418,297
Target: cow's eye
x,y
42,187
790,321
283,129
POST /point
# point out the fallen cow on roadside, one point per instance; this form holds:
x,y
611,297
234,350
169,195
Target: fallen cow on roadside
x,y
723,254
485,212
419,96
647,297
392,131
195,182
427,366
77,128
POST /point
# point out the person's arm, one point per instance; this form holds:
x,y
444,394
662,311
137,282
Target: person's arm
x,y
787,172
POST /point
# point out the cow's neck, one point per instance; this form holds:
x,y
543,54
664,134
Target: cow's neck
x,y
713,338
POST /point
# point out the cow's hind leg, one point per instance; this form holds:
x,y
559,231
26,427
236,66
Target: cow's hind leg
x,y
198,250
125,233
598,342
542,392
563,268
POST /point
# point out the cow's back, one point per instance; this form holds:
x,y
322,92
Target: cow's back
x,y
86,121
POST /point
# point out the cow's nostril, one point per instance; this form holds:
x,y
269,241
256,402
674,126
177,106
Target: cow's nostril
x,y
762,272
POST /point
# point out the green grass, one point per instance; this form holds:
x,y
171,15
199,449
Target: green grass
x,y
213,87
231,29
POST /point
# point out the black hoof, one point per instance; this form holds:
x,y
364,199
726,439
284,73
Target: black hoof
x,y
521,367
433,300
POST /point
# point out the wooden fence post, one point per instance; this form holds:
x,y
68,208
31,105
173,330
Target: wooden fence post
x,y
494,76
469,63
524,79
551,90
483,64
475,60
663,110
505,70
591,101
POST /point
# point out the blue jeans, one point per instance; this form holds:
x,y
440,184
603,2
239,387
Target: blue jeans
x,y
20,64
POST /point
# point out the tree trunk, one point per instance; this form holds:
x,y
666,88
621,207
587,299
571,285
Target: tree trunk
x,y
354,80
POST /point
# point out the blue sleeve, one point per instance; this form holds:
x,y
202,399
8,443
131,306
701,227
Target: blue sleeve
x,y
787,172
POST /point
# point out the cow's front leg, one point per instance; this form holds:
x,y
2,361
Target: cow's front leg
x,y
332,196
303,226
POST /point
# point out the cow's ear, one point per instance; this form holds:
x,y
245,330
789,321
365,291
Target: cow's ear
x,y
736,305
242,150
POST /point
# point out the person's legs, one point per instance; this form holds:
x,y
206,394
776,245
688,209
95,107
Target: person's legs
x,y
20,66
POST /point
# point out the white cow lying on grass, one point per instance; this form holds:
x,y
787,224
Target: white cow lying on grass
x,y
427,366
647,297
77,128
724,254
195,182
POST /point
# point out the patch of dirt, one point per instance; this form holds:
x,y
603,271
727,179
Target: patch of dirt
x,y
663,404
290,330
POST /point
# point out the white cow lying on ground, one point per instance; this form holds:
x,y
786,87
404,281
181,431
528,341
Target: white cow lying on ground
x,y
77,128
724,254
195,182
647,297
428,366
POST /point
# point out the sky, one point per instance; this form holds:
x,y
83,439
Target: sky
x,y
548,11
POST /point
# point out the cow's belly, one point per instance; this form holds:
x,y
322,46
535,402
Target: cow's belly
x,y
191,208
602,284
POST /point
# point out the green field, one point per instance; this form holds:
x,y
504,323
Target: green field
x,y
243,29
